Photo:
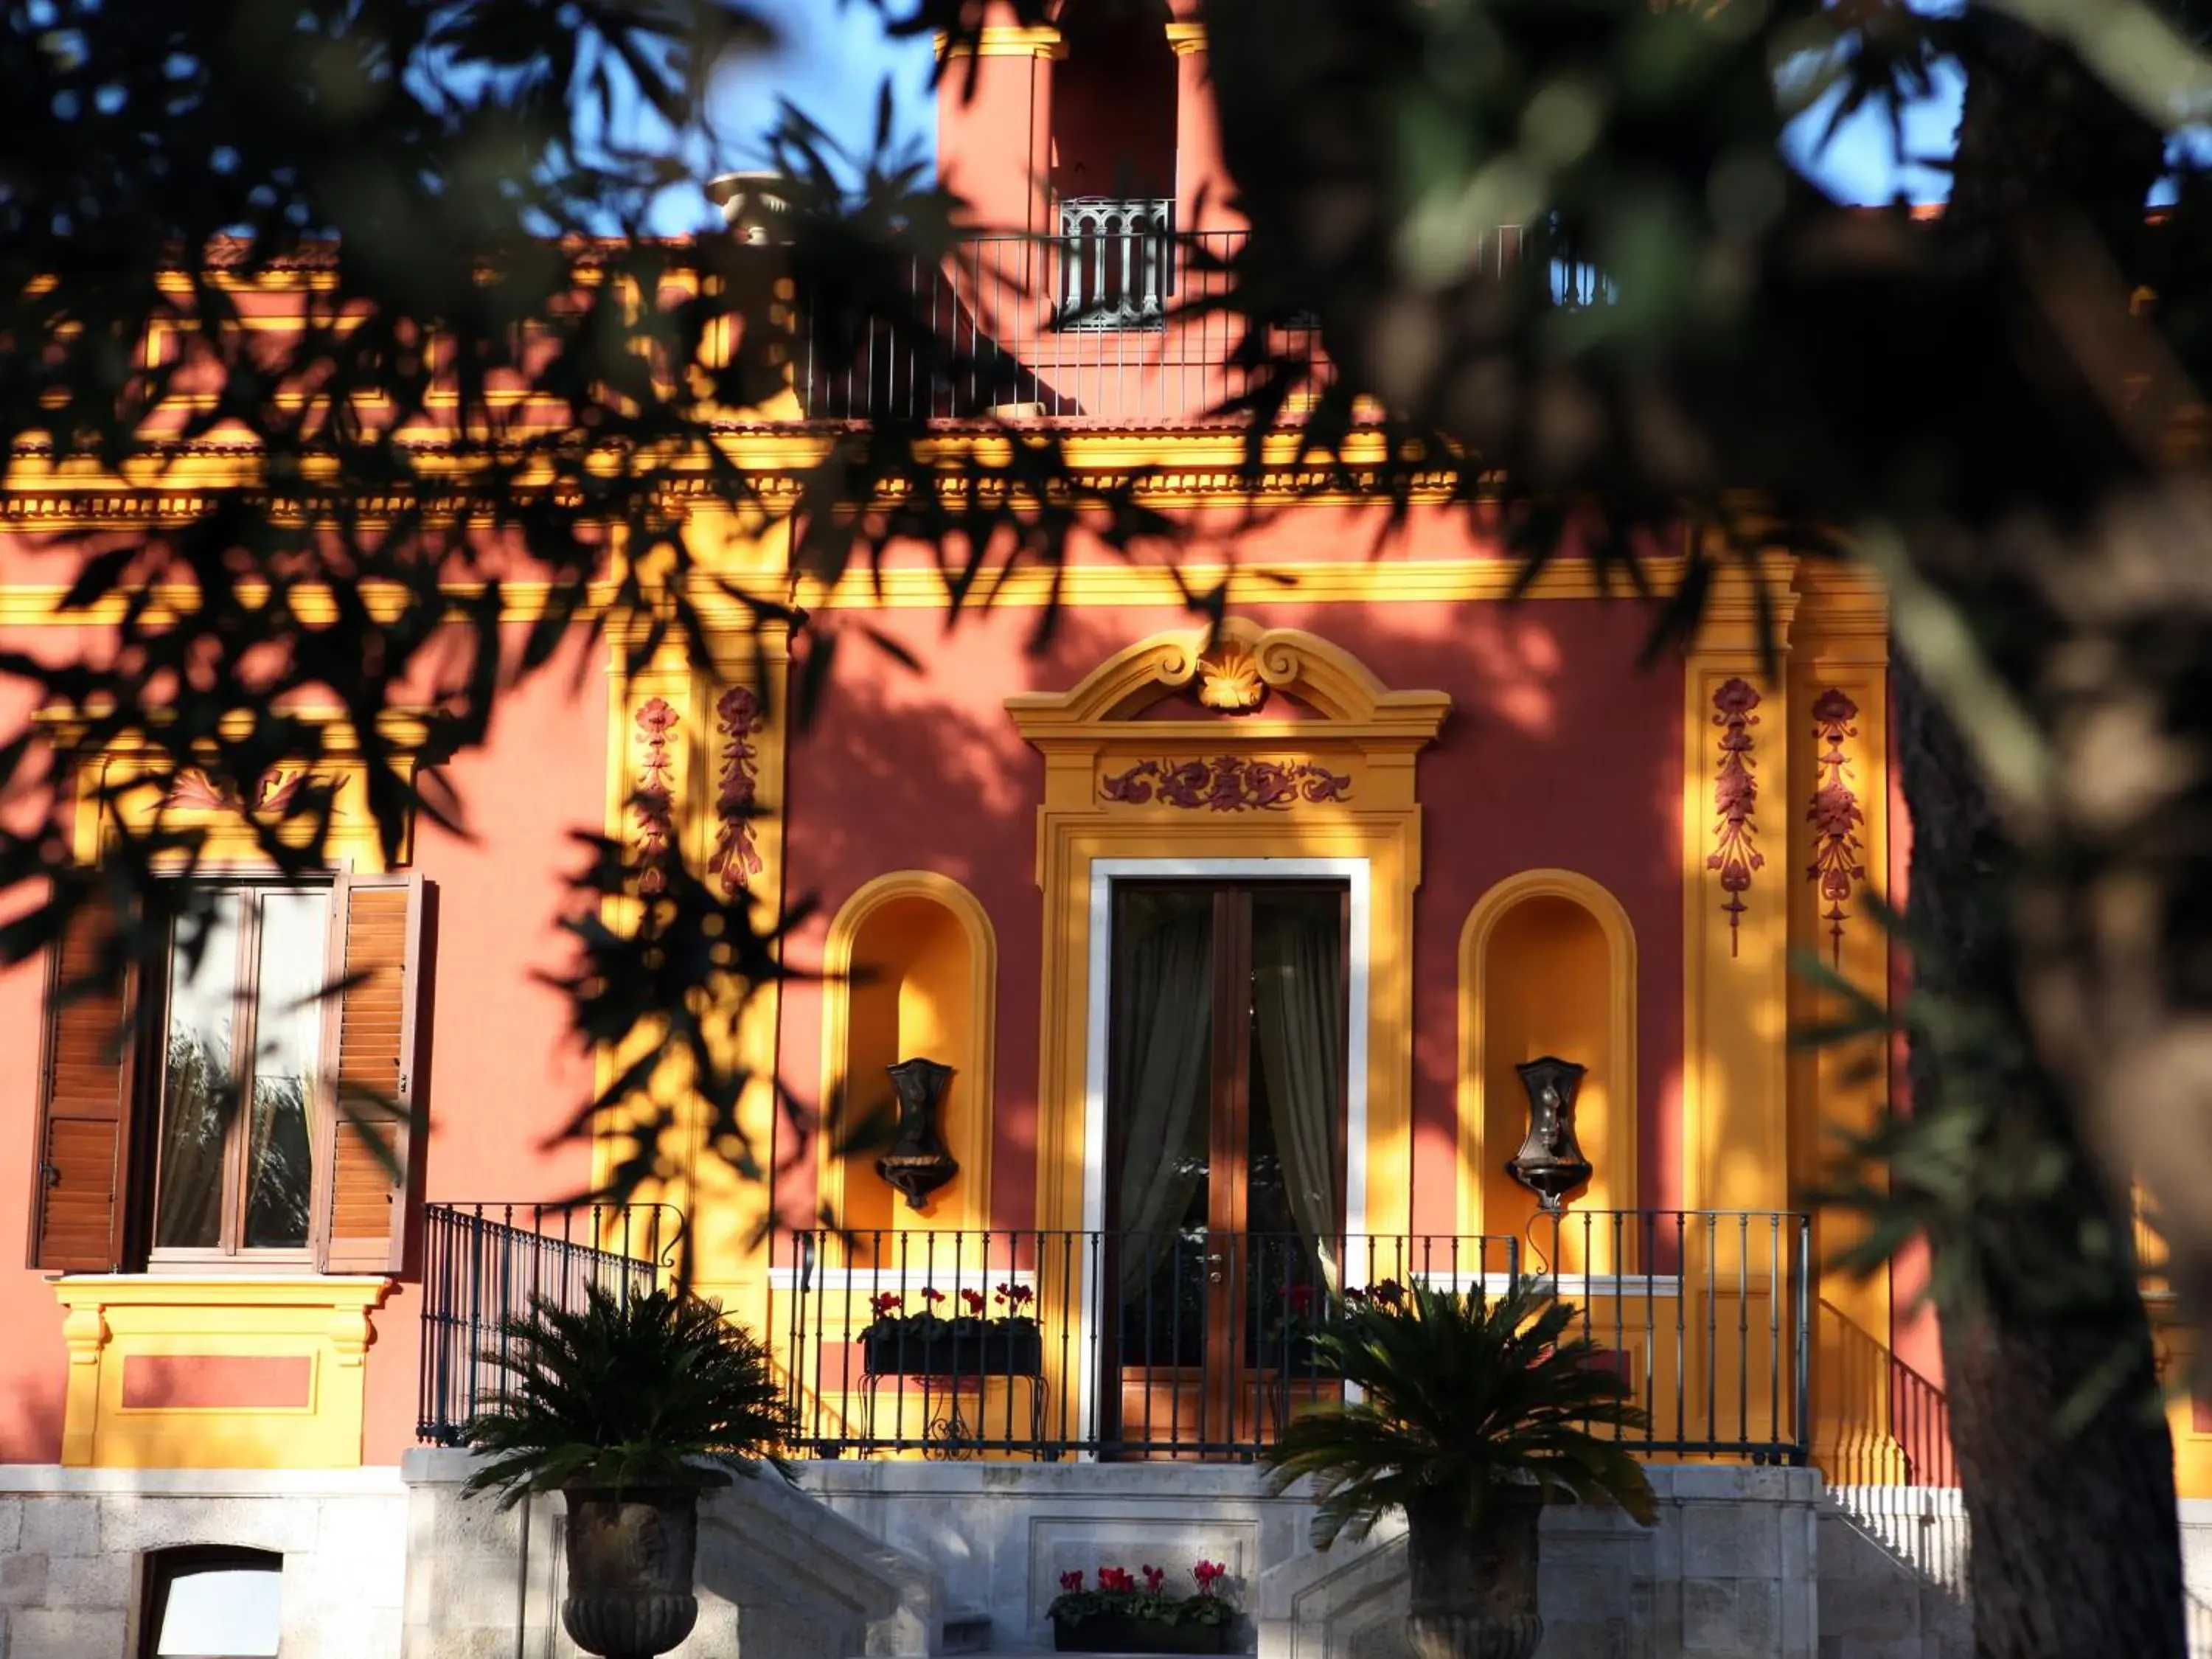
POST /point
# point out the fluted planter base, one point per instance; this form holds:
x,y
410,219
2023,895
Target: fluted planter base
x,y
1474,1636
1474,1589
630,1561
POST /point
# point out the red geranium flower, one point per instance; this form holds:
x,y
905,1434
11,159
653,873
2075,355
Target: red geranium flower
x,y
889,1303
931,1295
1154,1577
974,1301
1071,1581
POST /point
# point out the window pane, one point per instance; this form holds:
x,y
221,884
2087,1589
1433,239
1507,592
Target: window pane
x,y
288,1039
225,1613
197,1086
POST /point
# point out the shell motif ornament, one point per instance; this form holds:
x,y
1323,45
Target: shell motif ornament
x,y
1230,683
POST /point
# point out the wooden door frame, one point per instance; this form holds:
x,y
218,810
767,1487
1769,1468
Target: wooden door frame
x,y
1227,1399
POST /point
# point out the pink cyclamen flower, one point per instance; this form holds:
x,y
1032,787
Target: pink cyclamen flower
x,y
888,1302
1154,1577
1115,1579
974,1299
931,1295
1071,1581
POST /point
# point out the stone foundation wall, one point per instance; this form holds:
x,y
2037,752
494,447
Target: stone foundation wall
x,y
1726,1573
779,1577
74,1544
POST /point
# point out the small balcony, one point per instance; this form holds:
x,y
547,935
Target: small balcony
x,y
1111,323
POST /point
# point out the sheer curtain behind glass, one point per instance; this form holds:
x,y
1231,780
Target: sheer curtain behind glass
x,y
1162,1062
199,1066
287,1042
1298,961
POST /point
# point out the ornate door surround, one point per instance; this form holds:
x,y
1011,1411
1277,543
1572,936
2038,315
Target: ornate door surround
x,y
1290,748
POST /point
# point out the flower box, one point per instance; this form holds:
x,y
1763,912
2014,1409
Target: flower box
x,y
993,1350
1121,1633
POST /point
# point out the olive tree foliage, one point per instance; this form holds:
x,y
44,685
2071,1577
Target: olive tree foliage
x,y
496,377
2000,411
494,383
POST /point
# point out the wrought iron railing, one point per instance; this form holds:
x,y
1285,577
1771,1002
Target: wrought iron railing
x,y
484,1264
1195,1344
1116,321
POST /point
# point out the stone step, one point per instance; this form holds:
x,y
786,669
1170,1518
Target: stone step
x,y
964,1630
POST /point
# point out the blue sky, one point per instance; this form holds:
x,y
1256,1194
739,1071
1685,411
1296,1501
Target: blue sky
x,y
834,55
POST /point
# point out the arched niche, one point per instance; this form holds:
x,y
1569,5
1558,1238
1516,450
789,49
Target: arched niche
x,y
1547,966
911,970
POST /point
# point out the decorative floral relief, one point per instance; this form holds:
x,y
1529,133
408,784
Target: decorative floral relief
x,y
656,795
1231,683
1736,852
1834,814
736,858
1226,783
194,791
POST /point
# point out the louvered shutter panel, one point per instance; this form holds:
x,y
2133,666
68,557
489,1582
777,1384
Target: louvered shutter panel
x,y
79,1207
369,1116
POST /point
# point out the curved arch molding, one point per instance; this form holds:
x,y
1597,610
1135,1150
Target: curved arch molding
x,y
926,999
1510,963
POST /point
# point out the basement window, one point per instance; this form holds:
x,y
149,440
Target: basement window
x,y
212,1602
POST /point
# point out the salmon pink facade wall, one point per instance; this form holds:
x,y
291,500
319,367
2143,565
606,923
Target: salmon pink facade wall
x,y
32,1361
1559,751
503,1072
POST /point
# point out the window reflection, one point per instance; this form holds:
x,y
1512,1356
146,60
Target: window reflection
x,y
241,1043
198,1082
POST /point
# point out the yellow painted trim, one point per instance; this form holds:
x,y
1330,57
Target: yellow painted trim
x,y
973,1150
1370,733
1425,581
1619,933
1186,37
118,788
1003,41
110,1318
1160,466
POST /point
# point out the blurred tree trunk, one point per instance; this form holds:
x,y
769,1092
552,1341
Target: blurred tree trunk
x,y
2075,1538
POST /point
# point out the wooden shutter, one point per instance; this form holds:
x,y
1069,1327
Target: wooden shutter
x,y
79,1206
368,1116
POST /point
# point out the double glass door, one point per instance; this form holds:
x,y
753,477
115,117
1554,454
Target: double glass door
x,y
1226,1087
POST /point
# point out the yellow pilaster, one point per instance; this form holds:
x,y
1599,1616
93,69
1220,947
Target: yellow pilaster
x,y
695,767
1736,799
739,831
1838,828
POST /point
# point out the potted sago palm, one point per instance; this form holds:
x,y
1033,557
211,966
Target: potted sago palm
x,y
631,1406
1471,1414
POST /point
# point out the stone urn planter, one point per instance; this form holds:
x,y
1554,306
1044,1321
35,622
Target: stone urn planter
x,y
1473,1589
631,1406
1472,1411
630,1559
